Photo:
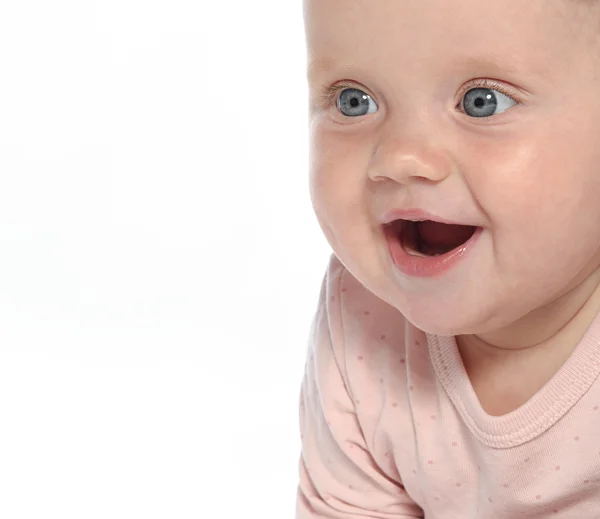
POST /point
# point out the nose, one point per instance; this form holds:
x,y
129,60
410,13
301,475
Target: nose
x,y
405,160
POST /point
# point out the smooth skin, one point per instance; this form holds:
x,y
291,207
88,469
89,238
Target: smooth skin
x,y
529,175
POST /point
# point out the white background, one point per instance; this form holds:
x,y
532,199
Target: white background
x,y
159,259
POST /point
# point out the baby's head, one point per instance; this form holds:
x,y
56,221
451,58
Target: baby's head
x,y
486,115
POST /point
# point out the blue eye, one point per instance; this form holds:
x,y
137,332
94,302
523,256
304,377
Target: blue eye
x,y
483,102
477,102
354,103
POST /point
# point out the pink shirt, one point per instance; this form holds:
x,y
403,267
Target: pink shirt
x,y
391,426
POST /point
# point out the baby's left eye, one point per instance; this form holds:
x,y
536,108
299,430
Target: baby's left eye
x,y
483,102
353,102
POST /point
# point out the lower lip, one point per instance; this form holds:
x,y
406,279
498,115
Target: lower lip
x,y
430,266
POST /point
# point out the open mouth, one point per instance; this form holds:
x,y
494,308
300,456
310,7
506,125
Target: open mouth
x,y
429,238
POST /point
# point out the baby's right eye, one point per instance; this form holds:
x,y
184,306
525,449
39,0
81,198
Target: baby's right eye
x,y
353,102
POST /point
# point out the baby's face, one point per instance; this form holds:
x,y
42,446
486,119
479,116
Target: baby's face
x,y
520,160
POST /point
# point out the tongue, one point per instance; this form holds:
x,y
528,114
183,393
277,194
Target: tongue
x,y
440,237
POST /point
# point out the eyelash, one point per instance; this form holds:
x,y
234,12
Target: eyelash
x,y
330,94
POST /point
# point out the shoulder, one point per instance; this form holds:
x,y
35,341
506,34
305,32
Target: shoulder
x,y
358,309
361,326
360,341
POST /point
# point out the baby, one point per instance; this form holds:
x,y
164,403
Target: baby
x,y
452,371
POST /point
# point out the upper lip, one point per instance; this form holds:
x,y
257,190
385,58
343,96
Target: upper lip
x,y
417,215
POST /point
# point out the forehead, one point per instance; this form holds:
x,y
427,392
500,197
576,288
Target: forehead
x,y
538,37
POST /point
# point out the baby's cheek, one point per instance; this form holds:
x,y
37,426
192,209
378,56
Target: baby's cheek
x,y
338,173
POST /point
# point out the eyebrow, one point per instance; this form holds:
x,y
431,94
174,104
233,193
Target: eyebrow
x,y
486,62
491,61
318,66
507,65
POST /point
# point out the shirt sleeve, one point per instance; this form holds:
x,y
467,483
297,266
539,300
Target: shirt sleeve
x,y
339,479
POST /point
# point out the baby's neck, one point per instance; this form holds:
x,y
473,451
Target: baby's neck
x,y
506,370
558,325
